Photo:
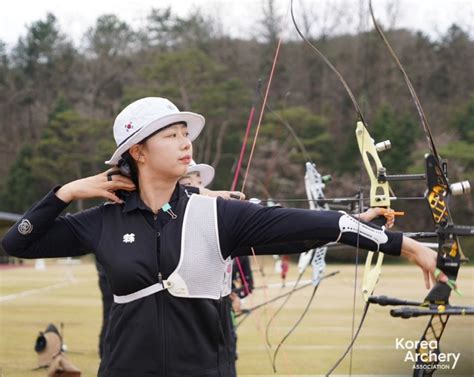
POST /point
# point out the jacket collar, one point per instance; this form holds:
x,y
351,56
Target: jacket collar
x,y
133,201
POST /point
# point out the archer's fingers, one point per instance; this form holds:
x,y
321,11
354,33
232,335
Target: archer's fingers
x,y
379,211
119,183
112,171
111,196
426,275
390,222
237,195
115,174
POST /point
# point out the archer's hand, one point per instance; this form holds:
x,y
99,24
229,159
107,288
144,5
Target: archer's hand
x,y
235,195
373,213
102,185
423,257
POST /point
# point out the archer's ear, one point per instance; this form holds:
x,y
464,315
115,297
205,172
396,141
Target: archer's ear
x,y
136,152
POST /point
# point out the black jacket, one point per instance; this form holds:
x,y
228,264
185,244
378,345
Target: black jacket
x,y
161,335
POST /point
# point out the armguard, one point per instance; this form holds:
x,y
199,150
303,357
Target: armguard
x,y
365,234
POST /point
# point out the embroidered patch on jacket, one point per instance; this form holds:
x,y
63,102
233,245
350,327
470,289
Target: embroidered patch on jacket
x,y
25,227
129,237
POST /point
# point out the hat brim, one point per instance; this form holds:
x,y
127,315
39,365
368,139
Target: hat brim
x,y
206,172
195,123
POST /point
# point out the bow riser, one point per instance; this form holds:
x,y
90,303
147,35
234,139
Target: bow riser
x,y
379,191
379,197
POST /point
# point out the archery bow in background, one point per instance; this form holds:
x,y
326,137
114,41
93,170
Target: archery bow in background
x,y
314,184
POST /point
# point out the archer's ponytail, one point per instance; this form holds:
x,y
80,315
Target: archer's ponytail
x,y
128,167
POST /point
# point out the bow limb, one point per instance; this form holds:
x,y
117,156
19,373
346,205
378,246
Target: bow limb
x,y
450,255
416,100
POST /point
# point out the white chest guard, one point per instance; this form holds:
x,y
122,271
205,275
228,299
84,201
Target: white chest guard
x,y
201,270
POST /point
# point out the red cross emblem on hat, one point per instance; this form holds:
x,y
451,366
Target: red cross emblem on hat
x,y
128,126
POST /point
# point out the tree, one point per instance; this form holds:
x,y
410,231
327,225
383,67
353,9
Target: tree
x,y
168,32
70,147
452,76
3,63
271,30
42,47
460,151
110,48
288,138
40,68
194,81
20,190
159,29
402,132
110,37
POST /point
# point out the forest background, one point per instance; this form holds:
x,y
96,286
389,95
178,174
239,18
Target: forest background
x,y
58,100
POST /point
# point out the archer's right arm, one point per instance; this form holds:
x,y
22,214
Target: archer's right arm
x,y
42,233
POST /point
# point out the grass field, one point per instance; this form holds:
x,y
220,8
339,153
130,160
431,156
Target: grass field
x,y
30,299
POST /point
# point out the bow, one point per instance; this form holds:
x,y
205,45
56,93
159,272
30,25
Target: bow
x,y
450,255
246,312
379,192
314,185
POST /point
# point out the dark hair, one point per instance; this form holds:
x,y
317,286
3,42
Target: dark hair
x,y
128,166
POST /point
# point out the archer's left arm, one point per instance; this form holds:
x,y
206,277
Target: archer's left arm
x,y
275,230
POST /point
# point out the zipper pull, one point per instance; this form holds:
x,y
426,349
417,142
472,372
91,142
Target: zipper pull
x,y
160,278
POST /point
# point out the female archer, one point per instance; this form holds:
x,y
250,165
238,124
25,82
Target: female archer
x,y
167,253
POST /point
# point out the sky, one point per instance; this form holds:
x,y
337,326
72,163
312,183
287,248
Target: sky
x,y
238,17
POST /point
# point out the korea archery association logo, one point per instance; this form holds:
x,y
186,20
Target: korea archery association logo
x,y
25,227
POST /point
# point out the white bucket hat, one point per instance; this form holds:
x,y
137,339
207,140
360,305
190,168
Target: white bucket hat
x,y
206,172
145,116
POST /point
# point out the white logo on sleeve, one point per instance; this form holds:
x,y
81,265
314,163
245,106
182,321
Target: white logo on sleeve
x,y
25,227
129,237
